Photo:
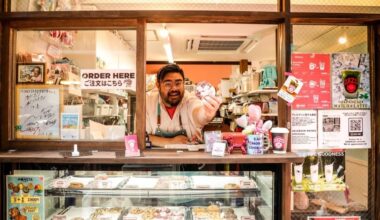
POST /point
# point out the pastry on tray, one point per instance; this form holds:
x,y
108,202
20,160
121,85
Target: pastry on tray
x,y
106,213
76,185
231,186
156,213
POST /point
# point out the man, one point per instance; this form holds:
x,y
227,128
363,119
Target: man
x,y
173,115
36,74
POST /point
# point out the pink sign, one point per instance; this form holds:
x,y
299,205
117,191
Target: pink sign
x,y
131,147
314,71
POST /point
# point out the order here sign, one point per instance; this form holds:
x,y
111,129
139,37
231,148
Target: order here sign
x,y
108,79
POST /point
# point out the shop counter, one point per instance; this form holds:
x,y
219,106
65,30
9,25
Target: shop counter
x,y
148,157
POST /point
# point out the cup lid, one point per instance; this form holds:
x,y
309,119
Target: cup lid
x,y
279,130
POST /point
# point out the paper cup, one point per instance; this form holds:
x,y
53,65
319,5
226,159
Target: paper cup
x,y
279,140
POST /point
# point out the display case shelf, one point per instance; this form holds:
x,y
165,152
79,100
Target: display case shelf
x,y
157,193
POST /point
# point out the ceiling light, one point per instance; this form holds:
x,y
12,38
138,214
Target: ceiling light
x,y
168,51
164,33
342,40
165,39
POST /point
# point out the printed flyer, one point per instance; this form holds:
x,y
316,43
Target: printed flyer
x,y
25,197
314,71
323,171
70,126
350,81
353,127
304,130
290,89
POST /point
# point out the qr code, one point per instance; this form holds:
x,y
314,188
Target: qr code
x,y
355,127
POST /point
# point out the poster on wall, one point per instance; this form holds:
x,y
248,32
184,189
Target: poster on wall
x,y
314,71
70,126
38,110
340,129
304,130
25,197
323,171
350,81
108,79
333,218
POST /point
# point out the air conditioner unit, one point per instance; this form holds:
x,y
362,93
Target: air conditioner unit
x,y
219,44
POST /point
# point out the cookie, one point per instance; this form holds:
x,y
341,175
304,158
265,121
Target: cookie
x,y
204,89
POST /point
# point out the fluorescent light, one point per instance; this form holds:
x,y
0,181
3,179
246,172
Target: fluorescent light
x,y
164,33
169,53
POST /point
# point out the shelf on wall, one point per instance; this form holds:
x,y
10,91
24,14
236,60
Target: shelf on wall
x,y
256,92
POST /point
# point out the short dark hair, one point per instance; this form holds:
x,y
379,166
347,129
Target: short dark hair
x,y
170,68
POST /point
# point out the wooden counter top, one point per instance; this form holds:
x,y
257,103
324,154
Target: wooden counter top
x,y
148,157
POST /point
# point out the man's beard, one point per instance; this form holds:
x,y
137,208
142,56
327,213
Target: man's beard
x,y
173,98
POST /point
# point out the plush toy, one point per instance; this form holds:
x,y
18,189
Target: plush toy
x,y
252,123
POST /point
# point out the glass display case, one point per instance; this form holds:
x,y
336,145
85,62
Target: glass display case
x,y
243,191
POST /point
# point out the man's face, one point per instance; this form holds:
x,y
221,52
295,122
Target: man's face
x,y
36,71
171,89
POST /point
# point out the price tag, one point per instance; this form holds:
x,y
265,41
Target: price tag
x,y
60,183
218,149
248,218
59,217
202,186
244,184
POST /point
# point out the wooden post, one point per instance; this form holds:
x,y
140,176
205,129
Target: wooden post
x,y
243,66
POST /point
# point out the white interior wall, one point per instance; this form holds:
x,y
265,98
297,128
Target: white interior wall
x,y
115,53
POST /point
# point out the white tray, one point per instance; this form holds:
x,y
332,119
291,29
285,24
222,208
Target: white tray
x,y
72,212
110,183
173,182
141,183
219,182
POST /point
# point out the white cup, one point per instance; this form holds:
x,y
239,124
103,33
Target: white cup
x,y
329,170
298,173
314,173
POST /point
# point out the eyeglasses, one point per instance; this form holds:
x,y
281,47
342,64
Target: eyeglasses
x,y
171,84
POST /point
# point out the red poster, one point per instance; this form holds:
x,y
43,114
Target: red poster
x,y
314,71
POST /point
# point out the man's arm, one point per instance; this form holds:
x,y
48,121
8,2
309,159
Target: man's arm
x,y
162,141
203,114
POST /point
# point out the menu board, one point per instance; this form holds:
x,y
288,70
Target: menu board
x,y
350,81
38,111
344,129
314,71
25,197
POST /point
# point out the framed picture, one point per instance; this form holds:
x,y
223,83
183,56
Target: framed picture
x,y
31,73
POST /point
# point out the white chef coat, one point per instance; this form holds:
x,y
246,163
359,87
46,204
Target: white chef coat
x,y
188,103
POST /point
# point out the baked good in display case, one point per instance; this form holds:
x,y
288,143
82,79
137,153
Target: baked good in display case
x,y
173,182
101,181
222,182
106,213
156,213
